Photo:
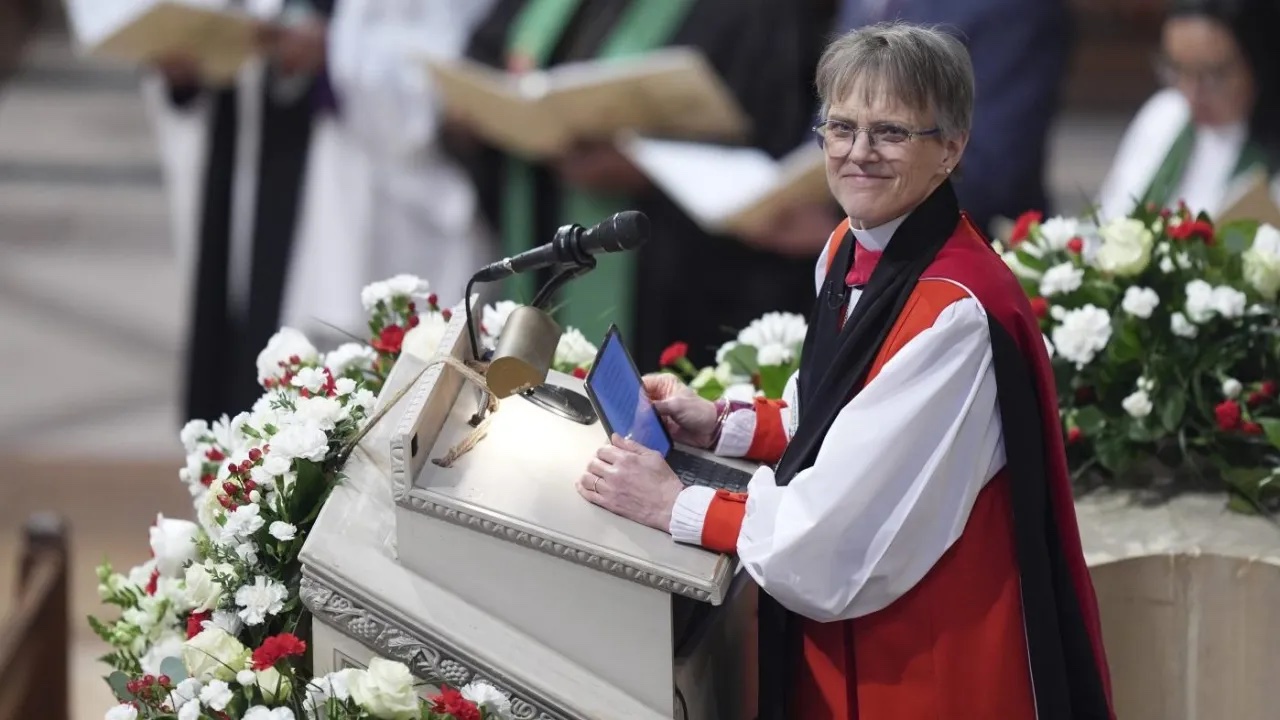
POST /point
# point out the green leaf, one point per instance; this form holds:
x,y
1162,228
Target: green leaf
x,y
1125,344
773,380
174,668
711,389
1113,454
742,359
1090,420
1172,408
119,682
308,490
1272,427
1030,261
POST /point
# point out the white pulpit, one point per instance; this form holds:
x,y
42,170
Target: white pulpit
x,y
494,568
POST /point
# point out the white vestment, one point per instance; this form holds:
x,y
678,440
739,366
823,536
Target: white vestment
x,y
325,233
1207,184
422,216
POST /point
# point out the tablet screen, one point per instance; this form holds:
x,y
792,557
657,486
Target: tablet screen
x,y
615,385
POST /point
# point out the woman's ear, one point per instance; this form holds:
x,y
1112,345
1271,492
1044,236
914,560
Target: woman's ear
x,y
953,149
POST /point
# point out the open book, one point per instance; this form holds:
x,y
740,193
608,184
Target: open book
x,y
733,190
143,31
673,92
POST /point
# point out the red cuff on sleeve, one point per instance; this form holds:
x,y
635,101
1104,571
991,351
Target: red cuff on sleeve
x,y
770,439
724,521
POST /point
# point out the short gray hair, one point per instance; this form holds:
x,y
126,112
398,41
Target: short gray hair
x,y
921,66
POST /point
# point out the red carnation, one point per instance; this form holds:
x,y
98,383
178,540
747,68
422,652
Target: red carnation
x,y
1193,229
276,647
390,339
580,373
1268,388
1252,428
674,353
1074,435
1040,307
1076,245
1022,228
1256,398
452,702
195,623
153,582
1228,414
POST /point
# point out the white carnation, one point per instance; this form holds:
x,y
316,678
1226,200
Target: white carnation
x,y
262,712
574,350
310,379
1181,326
410,286
216,695
740,392
193,434
488,698
1126,247
1231,388
1084,333
1166,265
1140,302
493,318
303,439
1138,404
283,531
173,544
775,328
774,354
1262,261
168,646
122,712
364,398
374,293
1056,232
187,691
322,412
282,346
344,386
241,523
424,340
264,597
1229,302
1060,279
1199,301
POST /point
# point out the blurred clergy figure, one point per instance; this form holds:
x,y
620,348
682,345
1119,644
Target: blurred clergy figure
x,y
245,169
684,284
420,212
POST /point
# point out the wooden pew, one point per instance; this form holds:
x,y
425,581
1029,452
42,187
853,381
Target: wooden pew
x,y
34,639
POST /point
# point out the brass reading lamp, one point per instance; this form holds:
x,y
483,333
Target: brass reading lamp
x,y
527,345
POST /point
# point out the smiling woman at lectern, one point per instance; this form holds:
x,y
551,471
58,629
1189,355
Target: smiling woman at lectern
x,y
913,531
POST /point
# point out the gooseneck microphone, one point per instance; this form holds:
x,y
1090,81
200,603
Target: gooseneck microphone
x,y
574,246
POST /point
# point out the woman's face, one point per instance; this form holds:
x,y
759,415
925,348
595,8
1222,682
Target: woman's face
x,y
877,181
1203,61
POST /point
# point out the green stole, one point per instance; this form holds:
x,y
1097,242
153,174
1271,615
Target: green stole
x,y
606,294
1169,175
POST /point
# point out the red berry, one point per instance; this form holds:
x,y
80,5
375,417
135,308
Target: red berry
x,y
245,467
230,488
255,455
304,393
206,479
413,307
250,485
148,679
413,321
1252,428
1075,245
447,314
164,680
1074,435
294,360
225,502
1269,388
431,299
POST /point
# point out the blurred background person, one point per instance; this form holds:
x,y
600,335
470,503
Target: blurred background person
x,y
418,210
1019,50
1218,117
245,167
684,284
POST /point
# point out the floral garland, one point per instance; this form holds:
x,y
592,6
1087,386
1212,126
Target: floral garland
x,y
1163,334
212,626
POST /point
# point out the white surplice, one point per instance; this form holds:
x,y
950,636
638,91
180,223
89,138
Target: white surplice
x,y
894,480
1207,184
422,216
325,228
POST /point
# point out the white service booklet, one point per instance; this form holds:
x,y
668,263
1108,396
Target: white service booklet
x,y
729,189
143,31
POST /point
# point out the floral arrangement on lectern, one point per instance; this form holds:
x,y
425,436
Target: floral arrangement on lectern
x,y
757,363
212,627
1164,339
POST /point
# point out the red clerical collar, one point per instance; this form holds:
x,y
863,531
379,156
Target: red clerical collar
x,y
864,262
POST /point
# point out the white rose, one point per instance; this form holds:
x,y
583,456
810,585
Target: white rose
x,y
1199,301
1126,247
424,341
122,712
1262,262
488,698
1229,302
1181,326
1140,301
214,654
282,346
1060,279
273,685
1231,388
385,690
1084,333
774,354
173,543
1138,404
574,350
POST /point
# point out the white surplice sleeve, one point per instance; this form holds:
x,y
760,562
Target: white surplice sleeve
x,y
893,482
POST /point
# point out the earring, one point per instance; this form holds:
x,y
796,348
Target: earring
x,y
947,170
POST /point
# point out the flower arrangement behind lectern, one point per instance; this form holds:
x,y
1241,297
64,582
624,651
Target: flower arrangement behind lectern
x,y
212,627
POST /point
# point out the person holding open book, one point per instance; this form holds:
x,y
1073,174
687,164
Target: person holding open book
x,y
244,165
684,284
1215,130
912,528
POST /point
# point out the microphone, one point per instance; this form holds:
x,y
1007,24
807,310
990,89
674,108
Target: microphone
x,y
574,245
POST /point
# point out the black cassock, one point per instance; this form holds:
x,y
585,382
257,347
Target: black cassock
x,y
225,337
691,286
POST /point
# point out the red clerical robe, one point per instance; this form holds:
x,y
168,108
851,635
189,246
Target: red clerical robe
x,y
955,646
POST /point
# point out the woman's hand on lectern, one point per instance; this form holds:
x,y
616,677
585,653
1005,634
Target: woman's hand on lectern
x,y
628,479
689,418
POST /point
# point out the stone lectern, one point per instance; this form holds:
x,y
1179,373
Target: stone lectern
x,y
494,568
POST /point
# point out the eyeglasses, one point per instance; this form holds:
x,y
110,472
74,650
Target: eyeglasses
x,y
838,137
1211,78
